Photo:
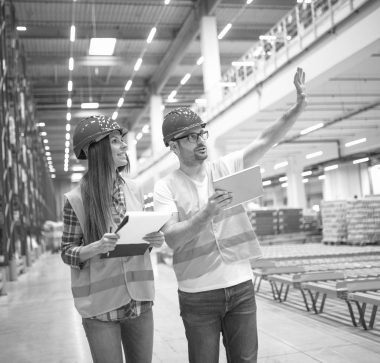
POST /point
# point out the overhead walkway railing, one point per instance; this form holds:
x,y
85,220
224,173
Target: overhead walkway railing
x,y
295,32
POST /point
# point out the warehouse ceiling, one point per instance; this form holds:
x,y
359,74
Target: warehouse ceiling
x,y
173,52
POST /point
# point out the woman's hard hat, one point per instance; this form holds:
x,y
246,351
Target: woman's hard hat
x,y
93,129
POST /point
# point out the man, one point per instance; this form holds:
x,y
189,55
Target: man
x,y
212,246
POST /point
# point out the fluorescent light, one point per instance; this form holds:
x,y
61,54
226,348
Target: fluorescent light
x,y
102,46
70,86
46,141
305,180
267,182
331,167
167,2
172,94
75,177
71,63
314,155
280,165
89,105
151,35
355,142
67,143
185,78
69,103
145,129
48,158
312,128
47,147
67,136
267,37
243,63
43,133
137,65
21,28
139,136
53,176
41,124
358,161
283,179
224,31
307,173
200,60
228,84
114,115
78,168
68,127
48,153
68,116
120,102
249,2
72,33
284,185
67,150
128,85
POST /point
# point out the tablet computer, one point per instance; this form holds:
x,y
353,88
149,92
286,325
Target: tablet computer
x,y
245,185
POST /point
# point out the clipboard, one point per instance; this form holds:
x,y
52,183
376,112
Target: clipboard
x,y
245,185
135,225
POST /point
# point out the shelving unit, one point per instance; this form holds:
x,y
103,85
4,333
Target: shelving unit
x,y
26,187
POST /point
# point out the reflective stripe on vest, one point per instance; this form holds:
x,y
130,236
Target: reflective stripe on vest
x,y
229,235
106,284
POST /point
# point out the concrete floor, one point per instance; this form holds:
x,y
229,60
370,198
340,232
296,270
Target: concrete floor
x,y
38,323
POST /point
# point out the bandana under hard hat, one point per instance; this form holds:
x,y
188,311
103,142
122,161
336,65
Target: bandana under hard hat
x,y
178,122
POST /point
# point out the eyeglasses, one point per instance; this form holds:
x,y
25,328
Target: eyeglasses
x,y
194,137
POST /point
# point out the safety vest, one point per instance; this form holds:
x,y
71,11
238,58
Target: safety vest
x,y
229,235
103,285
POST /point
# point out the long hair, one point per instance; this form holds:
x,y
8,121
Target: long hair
x,y
96,189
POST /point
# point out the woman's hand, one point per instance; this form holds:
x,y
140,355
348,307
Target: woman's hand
x,y
155,239
107,243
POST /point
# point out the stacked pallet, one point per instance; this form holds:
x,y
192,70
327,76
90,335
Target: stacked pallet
x,y
334,221
289,220
264,222
363,221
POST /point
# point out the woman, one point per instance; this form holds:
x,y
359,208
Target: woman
x,y
113,295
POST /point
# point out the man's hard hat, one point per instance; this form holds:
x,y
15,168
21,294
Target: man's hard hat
x,y
179,122
92,129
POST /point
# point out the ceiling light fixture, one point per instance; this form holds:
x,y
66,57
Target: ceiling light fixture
x,y
72,33
68,116
280,165
331,167
185,78
70,86
225,30
114,115
355,142
151,35
120,102
102,46
314,155
267,182
21,28
89,105
128,85
362,160
312,128
69,103
138,64
200,60
307,173
322,177
283,179
71,63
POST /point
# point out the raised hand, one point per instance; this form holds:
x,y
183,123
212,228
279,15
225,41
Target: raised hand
x,y
299,83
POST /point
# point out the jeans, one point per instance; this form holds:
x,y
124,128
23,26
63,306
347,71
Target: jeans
x,y
136,335
231,311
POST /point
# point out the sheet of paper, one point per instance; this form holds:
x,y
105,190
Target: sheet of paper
x,y
245,185
140,224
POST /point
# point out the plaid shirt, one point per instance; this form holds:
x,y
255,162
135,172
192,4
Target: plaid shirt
x,y
72,242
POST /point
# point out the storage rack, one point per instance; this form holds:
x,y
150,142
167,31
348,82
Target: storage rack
x,y
26,187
